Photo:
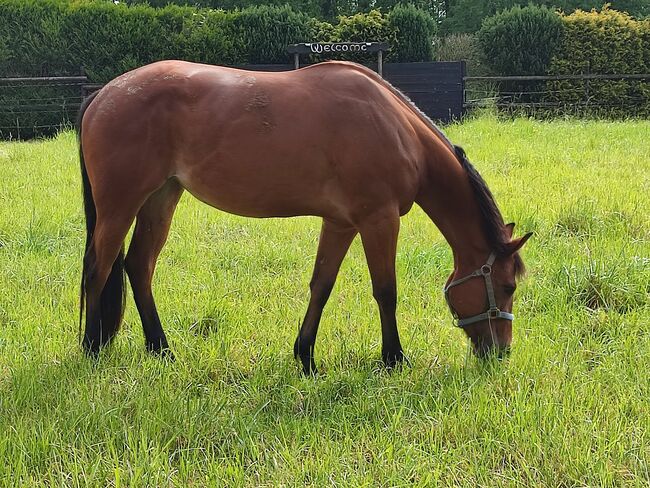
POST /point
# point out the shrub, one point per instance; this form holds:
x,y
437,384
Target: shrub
x,y
122,39
414,30
262,34
605,42
462,47
521,41
32,40
199,35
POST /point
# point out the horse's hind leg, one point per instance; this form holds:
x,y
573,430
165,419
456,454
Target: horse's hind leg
x,y
151,230
103,280
332,247
379,237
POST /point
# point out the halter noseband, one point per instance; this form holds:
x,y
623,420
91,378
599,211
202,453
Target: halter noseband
x,y
493,311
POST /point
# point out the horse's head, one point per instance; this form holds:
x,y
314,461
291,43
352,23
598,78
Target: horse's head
x,y
481,301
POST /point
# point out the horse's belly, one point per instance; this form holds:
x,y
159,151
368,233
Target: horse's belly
x,y
259,194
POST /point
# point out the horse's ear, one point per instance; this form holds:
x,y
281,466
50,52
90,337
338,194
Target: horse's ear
x,y
516,244
510,229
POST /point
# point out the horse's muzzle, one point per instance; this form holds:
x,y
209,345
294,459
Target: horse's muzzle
x,y
484,351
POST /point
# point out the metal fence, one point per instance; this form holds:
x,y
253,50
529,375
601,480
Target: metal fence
x,y
560,94
32,107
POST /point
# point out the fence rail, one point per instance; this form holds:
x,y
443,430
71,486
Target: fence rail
x,y
586,76
32,106
560,94
48,80
37,106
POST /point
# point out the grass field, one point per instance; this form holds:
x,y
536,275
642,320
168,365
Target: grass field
x,y
569,408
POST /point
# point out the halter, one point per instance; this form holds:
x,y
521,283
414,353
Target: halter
x,y
493,311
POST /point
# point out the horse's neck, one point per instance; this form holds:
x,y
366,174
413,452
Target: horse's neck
x,y
447,198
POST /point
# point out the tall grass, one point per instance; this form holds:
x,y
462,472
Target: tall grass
x,y
569,408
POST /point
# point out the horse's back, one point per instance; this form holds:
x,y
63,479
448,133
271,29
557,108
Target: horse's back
x,y
313,141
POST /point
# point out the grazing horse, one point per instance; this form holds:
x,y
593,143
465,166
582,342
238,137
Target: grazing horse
x,y
332,140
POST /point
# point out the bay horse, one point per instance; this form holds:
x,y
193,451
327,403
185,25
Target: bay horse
x,y
333,140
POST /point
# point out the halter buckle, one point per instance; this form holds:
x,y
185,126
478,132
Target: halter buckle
x,y
486,270
493,313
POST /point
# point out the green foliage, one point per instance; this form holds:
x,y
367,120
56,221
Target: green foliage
x,y
262,34
372,26
468,15
33,44
414,30
462,47
521,41
605,42
53,37
4,51
109,40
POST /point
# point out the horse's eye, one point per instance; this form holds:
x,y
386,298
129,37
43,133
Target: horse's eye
x,y
510,289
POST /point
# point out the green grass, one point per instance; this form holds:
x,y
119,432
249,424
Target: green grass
x,y
569,408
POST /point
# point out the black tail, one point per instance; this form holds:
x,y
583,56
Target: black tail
x,y
112,298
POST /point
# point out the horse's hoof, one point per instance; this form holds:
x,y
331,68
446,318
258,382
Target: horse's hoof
x,y
308,365
394,360
165,354
90,348
306,358
311,371
160,349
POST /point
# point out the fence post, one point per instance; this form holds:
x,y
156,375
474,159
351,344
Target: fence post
x,y
463,73
380,63
587,84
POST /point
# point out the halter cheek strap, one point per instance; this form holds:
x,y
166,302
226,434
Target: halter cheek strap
x,y
493,311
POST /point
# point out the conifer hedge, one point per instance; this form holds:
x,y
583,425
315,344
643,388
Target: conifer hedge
x,y
603,42
103,40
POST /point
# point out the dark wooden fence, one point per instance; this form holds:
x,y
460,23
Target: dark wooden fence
x,y
436,88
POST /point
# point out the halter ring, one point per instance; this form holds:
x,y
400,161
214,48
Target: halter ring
x,y
493,313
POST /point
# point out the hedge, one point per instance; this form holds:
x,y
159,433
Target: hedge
x,y
603,42
521,41
58,37
536,41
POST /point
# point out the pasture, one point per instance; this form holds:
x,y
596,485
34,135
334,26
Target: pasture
x,y
568,408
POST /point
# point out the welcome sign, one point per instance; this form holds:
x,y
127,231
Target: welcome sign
x,y
337,47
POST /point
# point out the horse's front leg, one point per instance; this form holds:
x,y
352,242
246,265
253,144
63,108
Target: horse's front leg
x,y
334,243
379,237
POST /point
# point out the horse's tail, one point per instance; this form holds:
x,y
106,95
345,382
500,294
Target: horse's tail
x,y
112,297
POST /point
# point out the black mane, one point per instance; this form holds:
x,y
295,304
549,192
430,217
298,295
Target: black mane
x,y
492,220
